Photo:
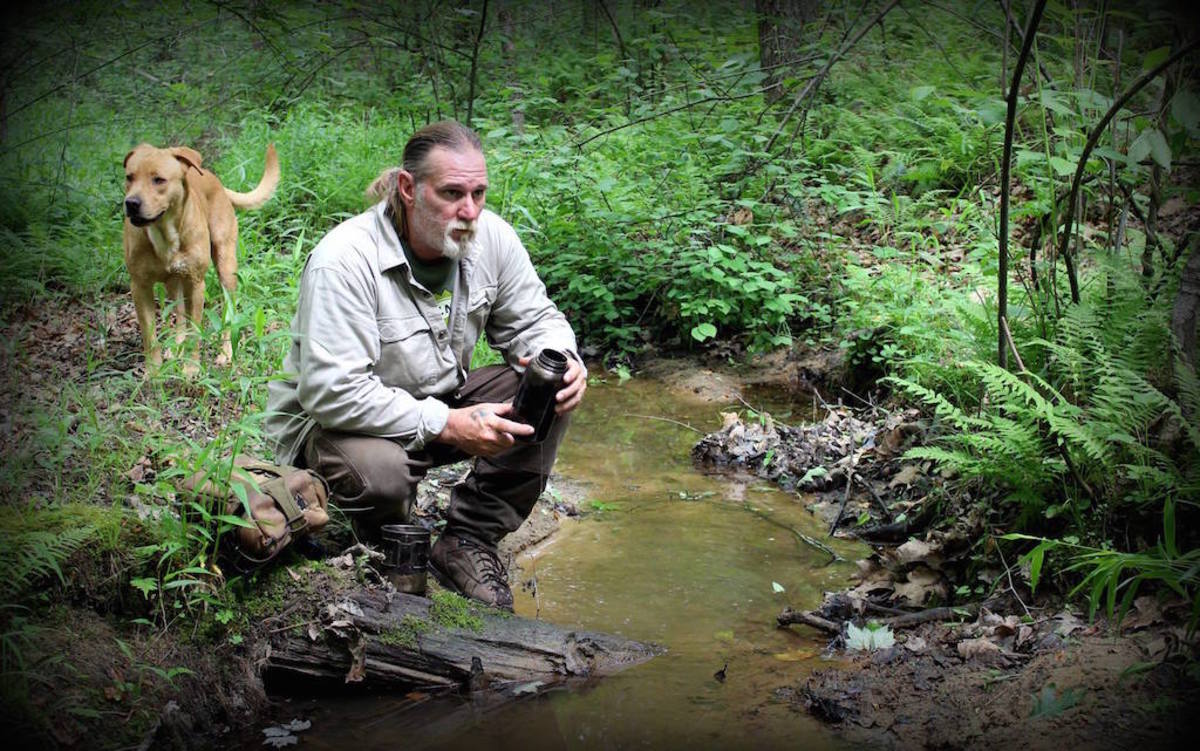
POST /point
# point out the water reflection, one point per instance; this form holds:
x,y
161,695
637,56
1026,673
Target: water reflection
x,y
666,555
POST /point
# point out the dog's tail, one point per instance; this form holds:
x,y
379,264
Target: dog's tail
x,y
266,186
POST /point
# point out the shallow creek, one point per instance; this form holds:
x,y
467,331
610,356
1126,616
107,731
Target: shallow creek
x,y
665,554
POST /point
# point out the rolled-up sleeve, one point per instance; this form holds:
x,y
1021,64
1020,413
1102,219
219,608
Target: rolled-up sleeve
x,y
338,349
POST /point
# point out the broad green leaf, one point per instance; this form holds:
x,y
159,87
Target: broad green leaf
x,y
1159,149
920,92
1052,100
1139,149
704,331
1185,108
1036,558
1062,167
873,636
776,587
1155,57
992,112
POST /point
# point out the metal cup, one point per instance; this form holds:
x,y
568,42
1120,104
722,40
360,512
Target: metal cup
x,y
407,549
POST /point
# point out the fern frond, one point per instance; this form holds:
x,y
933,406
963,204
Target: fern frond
x,y
27,558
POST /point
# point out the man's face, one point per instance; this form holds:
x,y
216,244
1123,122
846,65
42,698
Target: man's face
x,y
443,207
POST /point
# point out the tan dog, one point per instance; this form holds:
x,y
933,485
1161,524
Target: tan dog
x,y
178,219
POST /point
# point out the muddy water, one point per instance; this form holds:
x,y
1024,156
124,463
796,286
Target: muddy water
x,y
667,555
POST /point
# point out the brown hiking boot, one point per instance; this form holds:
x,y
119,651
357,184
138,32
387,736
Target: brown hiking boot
x,y
472,569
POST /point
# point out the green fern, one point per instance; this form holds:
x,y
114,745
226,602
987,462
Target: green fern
x,y
28,558
1088,440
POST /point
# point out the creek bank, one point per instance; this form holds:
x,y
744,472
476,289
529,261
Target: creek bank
x,y
993,664
1003,681
99,674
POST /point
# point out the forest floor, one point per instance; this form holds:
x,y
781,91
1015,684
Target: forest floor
x,y
1022,669
966,655
98,668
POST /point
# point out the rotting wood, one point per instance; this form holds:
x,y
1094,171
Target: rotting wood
x,y
810,618
391,640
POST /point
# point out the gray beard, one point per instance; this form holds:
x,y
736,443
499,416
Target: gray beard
x,y
456,251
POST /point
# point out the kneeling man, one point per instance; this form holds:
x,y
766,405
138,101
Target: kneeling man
x,y
377,387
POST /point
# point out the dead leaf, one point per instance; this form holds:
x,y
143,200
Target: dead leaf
x,y
916,551
908,474
1024,634
923,583
795,655
979,649
916,644
137,472
1066,624
1146,613
1172,206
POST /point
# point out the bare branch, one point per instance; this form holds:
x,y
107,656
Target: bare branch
x,y
1014,92
1093,139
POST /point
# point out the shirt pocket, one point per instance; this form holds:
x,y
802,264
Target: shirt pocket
x,y
406,353
479,307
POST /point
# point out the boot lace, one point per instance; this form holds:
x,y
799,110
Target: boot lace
x,y
487,562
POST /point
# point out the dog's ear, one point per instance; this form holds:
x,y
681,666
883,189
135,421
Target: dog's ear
x,y
190,157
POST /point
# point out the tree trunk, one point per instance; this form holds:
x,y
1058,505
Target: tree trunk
x,y
780,36
379,641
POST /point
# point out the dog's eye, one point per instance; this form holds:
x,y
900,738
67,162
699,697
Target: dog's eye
x,y
129,178
159,180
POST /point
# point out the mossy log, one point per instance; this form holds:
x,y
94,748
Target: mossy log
x,y
390,640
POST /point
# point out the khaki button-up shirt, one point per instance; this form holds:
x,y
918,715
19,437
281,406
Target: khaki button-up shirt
x,y
371,352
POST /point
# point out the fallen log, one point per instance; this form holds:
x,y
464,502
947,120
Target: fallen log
x,y
389,640
906,620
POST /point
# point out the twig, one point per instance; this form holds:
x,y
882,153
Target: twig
x,y
1094,139
833,556
758,411
841,511
908,620
1012,587
475,62
293,625
816,80
666,419
789,616
1008,337
874,496
934,614
668,111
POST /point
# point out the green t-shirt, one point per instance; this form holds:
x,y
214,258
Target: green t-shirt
x,y
437,277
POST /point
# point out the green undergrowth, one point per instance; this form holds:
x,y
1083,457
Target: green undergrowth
x,y
666,205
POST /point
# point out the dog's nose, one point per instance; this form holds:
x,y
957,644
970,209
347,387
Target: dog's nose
x,y
132,206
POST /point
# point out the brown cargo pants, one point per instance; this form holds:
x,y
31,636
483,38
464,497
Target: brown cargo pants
x,y
374,480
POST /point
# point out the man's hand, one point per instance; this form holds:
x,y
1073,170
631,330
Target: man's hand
x,y
574,384
482,430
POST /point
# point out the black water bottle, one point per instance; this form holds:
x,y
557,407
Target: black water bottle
x,y
534,402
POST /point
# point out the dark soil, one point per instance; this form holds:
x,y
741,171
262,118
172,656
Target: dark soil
x,y
1026,672
1073,687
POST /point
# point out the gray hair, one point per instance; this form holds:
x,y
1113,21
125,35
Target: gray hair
x,y
449,134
